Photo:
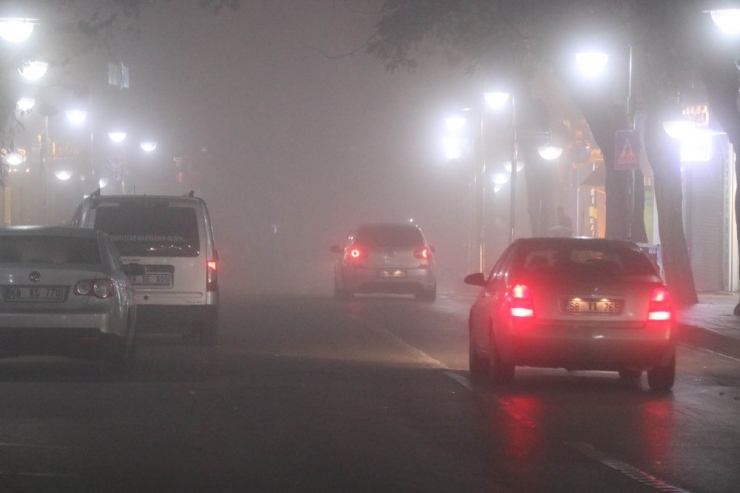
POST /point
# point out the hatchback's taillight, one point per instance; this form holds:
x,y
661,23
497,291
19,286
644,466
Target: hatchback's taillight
x,y
100,288
356,253
424,253
520,302
660,305
212,275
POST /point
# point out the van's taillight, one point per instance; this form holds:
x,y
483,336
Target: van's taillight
x,y
212,276
660,305
520,302
424,253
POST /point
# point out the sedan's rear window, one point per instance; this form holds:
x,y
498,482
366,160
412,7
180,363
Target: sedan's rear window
x,y
586,262
389,236
152,229
49,250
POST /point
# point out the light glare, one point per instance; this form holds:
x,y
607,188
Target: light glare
x,y
148,146
33,70
117,136
550,151
496,99
728,20
25,104
16,30
591,63
76,117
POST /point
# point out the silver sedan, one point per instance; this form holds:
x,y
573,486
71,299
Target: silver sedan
x,y
574,303
65,292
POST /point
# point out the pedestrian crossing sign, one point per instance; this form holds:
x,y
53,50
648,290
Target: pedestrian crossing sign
x,y
627,150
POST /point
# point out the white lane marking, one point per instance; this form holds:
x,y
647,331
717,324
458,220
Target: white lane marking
x,y
38,474
460,379
626,469
709,352
417,354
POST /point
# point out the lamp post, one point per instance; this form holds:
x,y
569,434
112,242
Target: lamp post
x,y
498,100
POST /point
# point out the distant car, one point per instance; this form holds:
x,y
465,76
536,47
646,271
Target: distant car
x,y
574,303
390,258
65,292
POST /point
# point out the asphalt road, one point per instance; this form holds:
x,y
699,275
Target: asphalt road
x,y
309,394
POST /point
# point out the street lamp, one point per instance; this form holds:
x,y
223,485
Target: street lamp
x,y
497,100
148,145
16,30
76,117
592,63
117,136
728,20
25,104
33,70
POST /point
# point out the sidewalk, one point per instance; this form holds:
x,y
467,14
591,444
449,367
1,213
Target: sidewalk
x,y
710,323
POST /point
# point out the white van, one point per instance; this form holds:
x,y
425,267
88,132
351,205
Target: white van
x,y
171,236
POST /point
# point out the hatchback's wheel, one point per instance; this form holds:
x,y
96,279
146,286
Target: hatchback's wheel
x,y
661,378
498,371
208,333
478,366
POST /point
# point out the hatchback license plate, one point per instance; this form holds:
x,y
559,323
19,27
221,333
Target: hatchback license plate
x,y
392,273
594,306
162,279
34,293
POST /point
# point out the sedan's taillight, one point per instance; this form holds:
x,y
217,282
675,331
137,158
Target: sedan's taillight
x,y
212,275
100,288
356,253
660,305
520,302
424,253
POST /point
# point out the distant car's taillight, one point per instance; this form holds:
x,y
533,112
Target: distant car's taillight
x,y
424,253
660,305
100,288
356,253
520,302
212,275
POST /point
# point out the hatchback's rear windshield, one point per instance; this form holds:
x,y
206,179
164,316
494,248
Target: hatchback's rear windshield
x,y
588,261
389,236
49,249
152,229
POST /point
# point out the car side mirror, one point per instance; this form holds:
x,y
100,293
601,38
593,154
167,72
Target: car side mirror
x,y
477,279
336,249
134,269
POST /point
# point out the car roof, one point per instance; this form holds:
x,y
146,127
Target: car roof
x,y
122,199
381,225
50,231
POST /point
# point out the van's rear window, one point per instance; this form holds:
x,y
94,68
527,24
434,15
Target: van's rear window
x,y
154,229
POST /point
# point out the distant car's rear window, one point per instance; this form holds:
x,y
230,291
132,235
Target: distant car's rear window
x,y
150,229
48,249
587,261
389,236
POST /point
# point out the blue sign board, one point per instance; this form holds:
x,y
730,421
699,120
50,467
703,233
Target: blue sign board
x,y
627,150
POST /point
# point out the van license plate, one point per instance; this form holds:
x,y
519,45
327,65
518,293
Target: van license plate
x,y
161,279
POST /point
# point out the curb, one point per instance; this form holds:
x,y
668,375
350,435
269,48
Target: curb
x,y
708,339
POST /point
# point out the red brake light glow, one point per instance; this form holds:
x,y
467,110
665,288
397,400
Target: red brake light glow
x,y
356,253
424,253
212,275
520,302
660,305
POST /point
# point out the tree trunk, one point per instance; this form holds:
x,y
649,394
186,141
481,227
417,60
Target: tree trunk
x,y
665,160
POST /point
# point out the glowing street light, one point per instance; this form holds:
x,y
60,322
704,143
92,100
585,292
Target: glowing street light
x,y
117,136
591,63
728,20
33,70
148,145
679,129
76,117
496,100
13,158
63,174
16,30
25,104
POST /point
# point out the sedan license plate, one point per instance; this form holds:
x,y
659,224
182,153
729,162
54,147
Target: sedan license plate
x,y
391,273
34,293
160,279
578,305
